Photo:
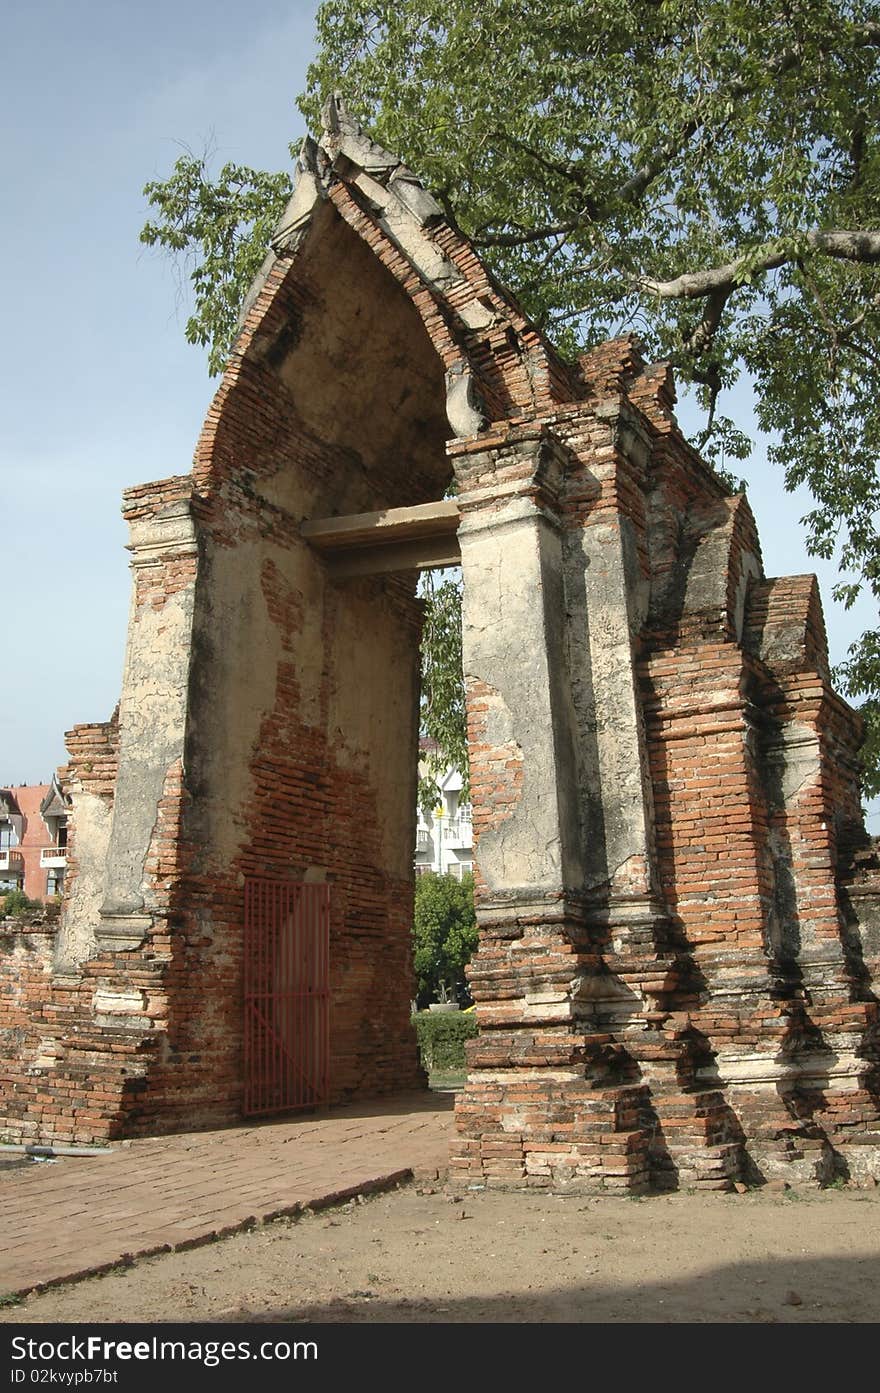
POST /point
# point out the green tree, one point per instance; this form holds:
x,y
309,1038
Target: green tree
x,y
444,933
219,228
443,714
706,172
17,904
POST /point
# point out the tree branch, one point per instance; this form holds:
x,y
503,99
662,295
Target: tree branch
x,y
862,245
710,377
845,330
535,234
565,171
701,337
639,180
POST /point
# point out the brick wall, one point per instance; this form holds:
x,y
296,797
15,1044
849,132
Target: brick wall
x,y
91,770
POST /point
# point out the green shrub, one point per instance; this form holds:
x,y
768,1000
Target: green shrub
x,y
441,1037
17,903
444,935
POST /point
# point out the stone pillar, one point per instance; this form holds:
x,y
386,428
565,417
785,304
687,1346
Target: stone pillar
x,y
607,591
536,1107
152,711
522,722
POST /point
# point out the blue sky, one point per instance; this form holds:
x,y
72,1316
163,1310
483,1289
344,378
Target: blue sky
x,y
101,390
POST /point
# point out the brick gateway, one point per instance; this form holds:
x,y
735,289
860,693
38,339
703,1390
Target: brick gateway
x,y
678,904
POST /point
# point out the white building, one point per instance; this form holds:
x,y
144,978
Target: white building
x,y
444,838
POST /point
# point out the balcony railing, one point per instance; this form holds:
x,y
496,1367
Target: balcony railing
x,y
458,831
423,839
53,856
10,860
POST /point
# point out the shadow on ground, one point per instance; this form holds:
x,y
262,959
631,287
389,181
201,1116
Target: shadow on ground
x,y
800,1291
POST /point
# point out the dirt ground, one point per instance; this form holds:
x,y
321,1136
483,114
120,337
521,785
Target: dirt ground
x,y
411,1255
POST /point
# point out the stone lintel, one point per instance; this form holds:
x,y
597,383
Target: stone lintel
x,y
395,539
384,527
425,555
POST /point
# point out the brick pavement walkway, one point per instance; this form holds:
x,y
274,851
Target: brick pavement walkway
x,y
76,1216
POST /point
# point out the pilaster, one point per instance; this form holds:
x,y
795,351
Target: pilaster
x,y
153,705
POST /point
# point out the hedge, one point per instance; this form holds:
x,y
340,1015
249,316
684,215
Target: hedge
x,y
441,1036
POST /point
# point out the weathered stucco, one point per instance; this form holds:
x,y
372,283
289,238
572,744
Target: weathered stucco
x,y
513,616
76,936
152,711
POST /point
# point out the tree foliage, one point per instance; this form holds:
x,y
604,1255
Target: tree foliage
x,y
17,904
444,933
220,228
443,718
706,172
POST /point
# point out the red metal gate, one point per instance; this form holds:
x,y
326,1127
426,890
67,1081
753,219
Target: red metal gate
x,y
286,995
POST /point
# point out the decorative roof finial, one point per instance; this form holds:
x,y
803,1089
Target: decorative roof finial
x,y
335,117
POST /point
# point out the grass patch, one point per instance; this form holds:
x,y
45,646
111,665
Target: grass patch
x,y
441,1079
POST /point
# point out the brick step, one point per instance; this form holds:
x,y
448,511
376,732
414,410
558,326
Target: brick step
x,y
695,1102
713,1167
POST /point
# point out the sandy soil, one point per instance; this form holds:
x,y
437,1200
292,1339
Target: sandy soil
x,y
412,1255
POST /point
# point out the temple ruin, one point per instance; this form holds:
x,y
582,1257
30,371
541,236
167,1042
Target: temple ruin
x,y
677,900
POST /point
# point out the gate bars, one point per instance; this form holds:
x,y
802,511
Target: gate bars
x,y
286,996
